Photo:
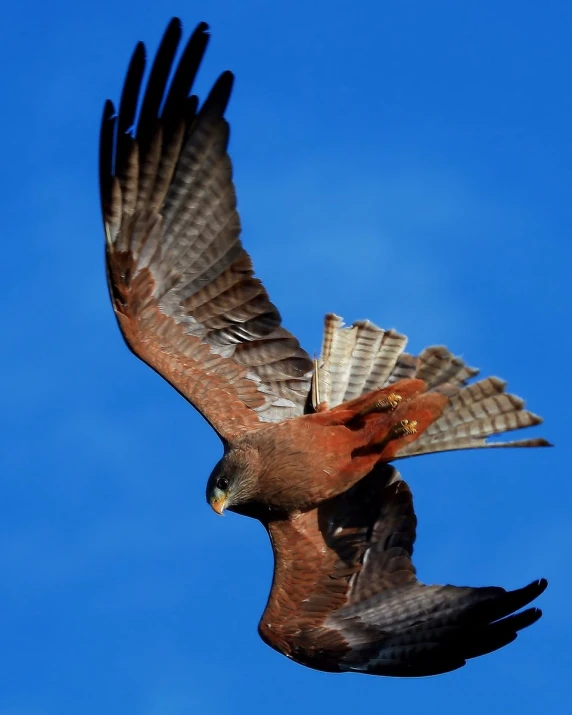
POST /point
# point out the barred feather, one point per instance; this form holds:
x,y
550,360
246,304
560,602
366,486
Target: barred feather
x,y
362,357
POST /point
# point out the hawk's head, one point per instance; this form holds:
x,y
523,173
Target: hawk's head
x,y
234,480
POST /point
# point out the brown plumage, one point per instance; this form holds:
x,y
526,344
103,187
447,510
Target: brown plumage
x,y
306,444
352,601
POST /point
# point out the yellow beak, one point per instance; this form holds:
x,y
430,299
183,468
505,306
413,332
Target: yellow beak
x,y
218,505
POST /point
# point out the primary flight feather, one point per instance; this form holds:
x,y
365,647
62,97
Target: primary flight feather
x,y
306,443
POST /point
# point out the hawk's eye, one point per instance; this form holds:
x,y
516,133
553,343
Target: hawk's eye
x,y
222,484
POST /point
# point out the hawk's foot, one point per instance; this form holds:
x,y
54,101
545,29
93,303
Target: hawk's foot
x,y
387,403
403,428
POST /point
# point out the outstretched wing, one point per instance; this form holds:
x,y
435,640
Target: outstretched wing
x,y
317,554
182,287
345,596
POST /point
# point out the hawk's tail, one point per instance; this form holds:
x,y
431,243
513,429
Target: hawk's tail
x,y
362,358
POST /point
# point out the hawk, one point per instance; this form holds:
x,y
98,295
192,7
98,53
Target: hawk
x,y
306,442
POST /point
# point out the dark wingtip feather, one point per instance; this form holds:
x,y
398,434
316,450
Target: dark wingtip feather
x,y
499,634
131,88
128,105
106,136
185,72
528,618
512,601
107,126
174,22
528,593
157,82
108,110
220,94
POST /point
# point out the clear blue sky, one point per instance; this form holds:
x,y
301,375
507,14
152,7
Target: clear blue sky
x,y
410,162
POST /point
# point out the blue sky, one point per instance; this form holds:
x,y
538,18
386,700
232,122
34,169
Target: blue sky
x,y
409,163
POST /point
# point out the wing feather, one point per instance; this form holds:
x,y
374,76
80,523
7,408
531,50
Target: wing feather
x,y
345,595
182,286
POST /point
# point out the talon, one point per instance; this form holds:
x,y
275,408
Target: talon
x,y
391,401
386,404
402,429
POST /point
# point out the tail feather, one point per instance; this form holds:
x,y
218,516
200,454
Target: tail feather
x,y
384,364
405,368
342,364
438,366
362,357
478,391
481,411
359,359
367,346
453,445
468,435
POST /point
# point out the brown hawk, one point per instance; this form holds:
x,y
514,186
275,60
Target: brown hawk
x,y
306,443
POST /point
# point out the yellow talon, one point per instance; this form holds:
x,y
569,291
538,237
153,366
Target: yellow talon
x,y
404,428
386,404
391,401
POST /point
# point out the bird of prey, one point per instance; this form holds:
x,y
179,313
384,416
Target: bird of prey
x,y
306,442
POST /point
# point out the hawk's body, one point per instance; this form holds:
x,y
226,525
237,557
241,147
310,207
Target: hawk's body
x,y
306,446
